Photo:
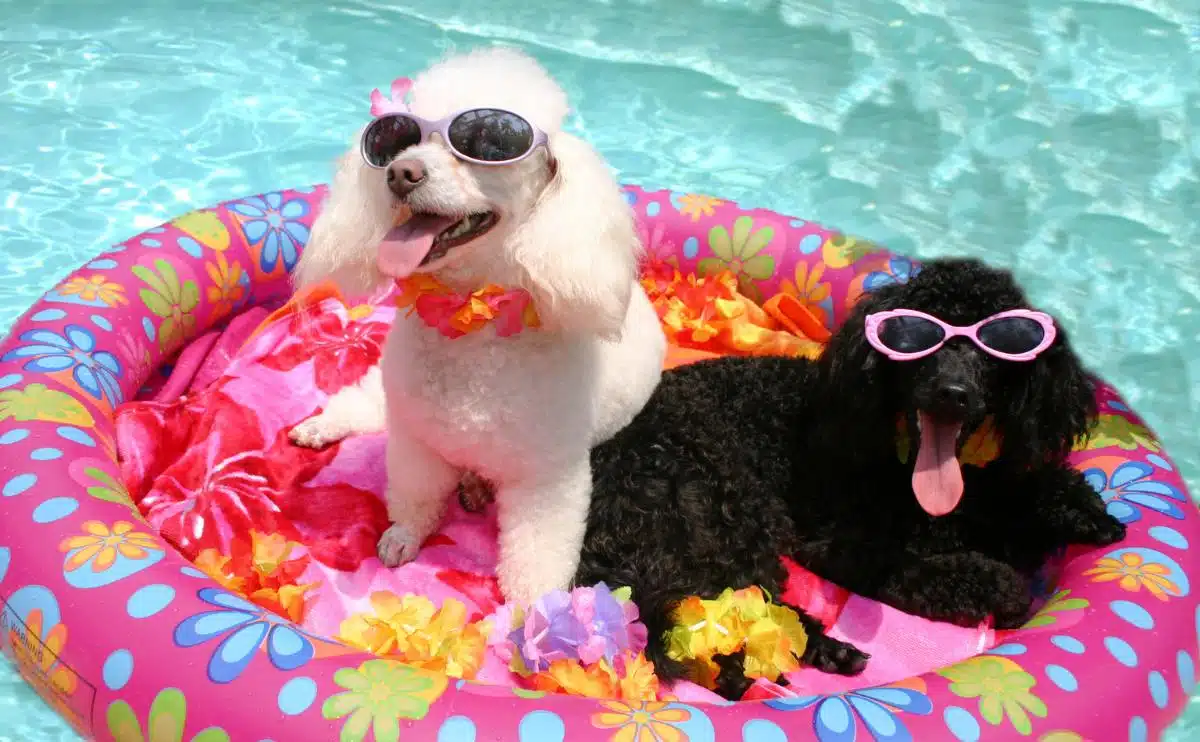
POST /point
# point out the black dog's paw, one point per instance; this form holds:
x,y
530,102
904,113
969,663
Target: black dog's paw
x,y
1008,607
966,616
1095,527
731,681
1011,611
830,655
1108,531
1082,516
1012,600
965,590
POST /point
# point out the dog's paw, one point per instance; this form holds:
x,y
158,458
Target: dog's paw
x,y
968,617
830,655
1103,530
1013,612
315,432
1013,602
963,589
731,681
1006,611
398,546
475,492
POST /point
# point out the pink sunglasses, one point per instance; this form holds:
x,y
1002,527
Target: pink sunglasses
x,y
906,334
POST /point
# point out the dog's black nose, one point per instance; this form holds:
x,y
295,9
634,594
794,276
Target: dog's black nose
x,y
403,176
952,397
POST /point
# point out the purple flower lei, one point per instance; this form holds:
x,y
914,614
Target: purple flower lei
x,y
587,624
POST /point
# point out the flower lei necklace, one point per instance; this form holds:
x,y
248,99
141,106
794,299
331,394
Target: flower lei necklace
x,y
455,314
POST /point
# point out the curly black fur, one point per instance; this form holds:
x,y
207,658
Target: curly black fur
x,y
734,462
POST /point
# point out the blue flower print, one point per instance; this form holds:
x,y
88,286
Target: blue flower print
x,y
1130,490
899,270
245,627
275,223
877,707
95,371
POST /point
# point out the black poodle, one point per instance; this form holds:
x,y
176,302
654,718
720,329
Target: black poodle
x,y
850,465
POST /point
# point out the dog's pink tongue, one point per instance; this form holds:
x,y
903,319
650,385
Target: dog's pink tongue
x,y
405,246
937,477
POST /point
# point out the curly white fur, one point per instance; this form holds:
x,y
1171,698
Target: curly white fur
x,y
522,411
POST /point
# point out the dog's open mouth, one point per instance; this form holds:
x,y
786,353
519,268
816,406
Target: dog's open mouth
x,y
424,238
459,233
937,479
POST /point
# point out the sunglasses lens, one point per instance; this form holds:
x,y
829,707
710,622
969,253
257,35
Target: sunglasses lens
x,y
910,334
1012,335
491,136
387,137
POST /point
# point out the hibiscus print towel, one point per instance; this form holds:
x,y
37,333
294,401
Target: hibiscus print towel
x,y
205,454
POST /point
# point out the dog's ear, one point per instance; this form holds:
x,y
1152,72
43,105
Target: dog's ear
x,y
1050,409
341,246
852,369
579,247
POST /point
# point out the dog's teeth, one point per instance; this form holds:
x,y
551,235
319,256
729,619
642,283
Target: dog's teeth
x,y
464,226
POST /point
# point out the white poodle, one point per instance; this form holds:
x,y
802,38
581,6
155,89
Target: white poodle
x,y
497,197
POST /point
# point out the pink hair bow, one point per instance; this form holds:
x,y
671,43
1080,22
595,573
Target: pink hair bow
x,y
395,104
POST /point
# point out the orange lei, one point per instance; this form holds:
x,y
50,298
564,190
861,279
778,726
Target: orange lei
x,y
456,314
709,313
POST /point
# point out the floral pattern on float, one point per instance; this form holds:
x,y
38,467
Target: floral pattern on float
x,y
144,597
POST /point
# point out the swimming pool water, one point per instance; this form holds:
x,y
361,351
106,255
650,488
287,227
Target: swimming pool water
x,y
1057,138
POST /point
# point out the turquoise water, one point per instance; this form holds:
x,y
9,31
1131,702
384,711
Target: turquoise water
x,y
1059,138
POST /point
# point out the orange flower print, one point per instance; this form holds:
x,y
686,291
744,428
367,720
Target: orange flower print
x,y
36,657
695,205
1132,572
95,288
101,545
648,721
226,290
809,289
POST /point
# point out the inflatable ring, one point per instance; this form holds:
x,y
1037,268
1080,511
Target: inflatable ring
x,y
93,601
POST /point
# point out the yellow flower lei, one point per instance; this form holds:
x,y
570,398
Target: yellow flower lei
x,y
770,634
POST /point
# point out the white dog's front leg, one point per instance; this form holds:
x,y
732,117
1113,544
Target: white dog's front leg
x,y
419,483
355,409
542,525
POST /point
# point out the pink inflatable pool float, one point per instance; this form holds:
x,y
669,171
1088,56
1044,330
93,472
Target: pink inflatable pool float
x,y
128,640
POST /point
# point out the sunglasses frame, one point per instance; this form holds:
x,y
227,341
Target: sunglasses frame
x,y
875,320
442,126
